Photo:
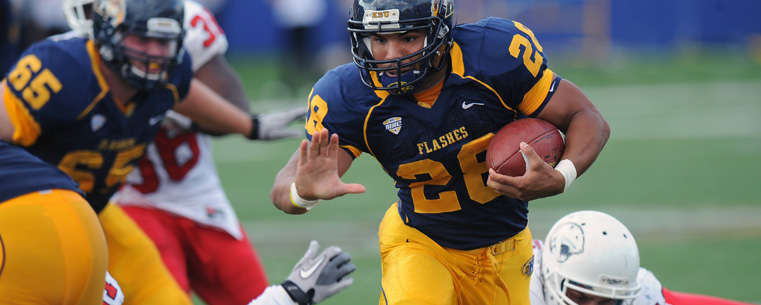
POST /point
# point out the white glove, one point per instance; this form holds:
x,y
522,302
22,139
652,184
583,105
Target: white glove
x,y
315,279
274,125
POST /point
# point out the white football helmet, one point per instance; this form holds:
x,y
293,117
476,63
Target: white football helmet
x,y
593,253
77,14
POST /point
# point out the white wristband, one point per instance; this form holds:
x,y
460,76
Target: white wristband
x,y
568,170
301,202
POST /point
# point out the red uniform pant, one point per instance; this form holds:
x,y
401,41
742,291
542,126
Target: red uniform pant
x,y
206,260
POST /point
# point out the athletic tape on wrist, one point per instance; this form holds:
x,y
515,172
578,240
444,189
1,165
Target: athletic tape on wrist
x,y
297,201
568,170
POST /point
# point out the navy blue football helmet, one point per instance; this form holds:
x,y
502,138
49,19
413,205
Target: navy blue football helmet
x,y
372,17
113,20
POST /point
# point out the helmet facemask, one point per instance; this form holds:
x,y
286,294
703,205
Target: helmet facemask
x,y
557,287
140,69
368,20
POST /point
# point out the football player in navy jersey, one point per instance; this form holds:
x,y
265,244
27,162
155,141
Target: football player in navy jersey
x,y
92,106
425,98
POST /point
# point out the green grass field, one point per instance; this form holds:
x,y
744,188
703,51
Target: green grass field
x,y
681,170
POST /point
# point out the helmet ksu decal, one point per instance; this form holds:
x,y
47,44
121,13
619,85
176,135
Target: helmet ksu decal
x,y
592,253
113,20
77,14
372,17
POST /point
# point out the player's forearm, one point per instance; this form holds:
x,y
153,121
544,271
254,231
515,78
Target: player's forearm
x,y
281,188
588,133
210,111
220,77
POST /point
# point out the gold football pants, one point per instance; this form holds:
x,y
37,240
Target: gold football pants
x,y
53,250
416,270
136,264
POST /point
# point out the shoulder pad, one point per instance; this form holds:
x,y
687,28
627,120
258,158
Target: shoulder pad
x,y
55,77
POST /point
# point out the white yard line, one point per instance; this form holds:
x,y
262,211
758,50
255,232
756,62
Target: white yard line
x,y
682,110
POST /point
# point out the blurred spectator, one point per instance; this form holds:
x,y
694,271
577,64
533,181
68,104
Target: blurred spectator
x,y
298,21
41,19
9,35
214,6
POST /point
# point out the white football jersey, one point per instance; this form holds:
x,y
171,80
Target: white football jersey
x,y
178,174
650,293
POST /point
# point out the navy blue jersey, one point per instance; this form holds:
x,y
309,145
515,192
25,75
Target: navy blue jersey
x,y
21,173
64,113
436,153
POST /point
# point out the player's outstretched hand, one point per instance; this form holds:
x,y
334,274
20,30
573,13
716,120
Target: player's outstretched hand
x,y
274,125
316,278
317,174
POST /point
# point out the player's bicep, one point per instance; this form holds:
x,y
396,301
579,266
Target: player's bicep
x,y
220,77
565,103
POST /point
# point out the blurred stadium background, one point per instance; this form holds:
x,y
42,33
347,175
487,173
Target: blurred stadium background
x,y
679,82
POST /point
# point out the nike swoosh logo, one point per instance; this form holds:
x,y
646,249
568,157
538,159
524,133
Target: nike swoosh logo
x,y
465,104
155,120
308,272
552,88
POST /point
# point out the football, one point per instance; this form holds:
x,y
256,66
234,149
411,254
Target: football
x,y
504,153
